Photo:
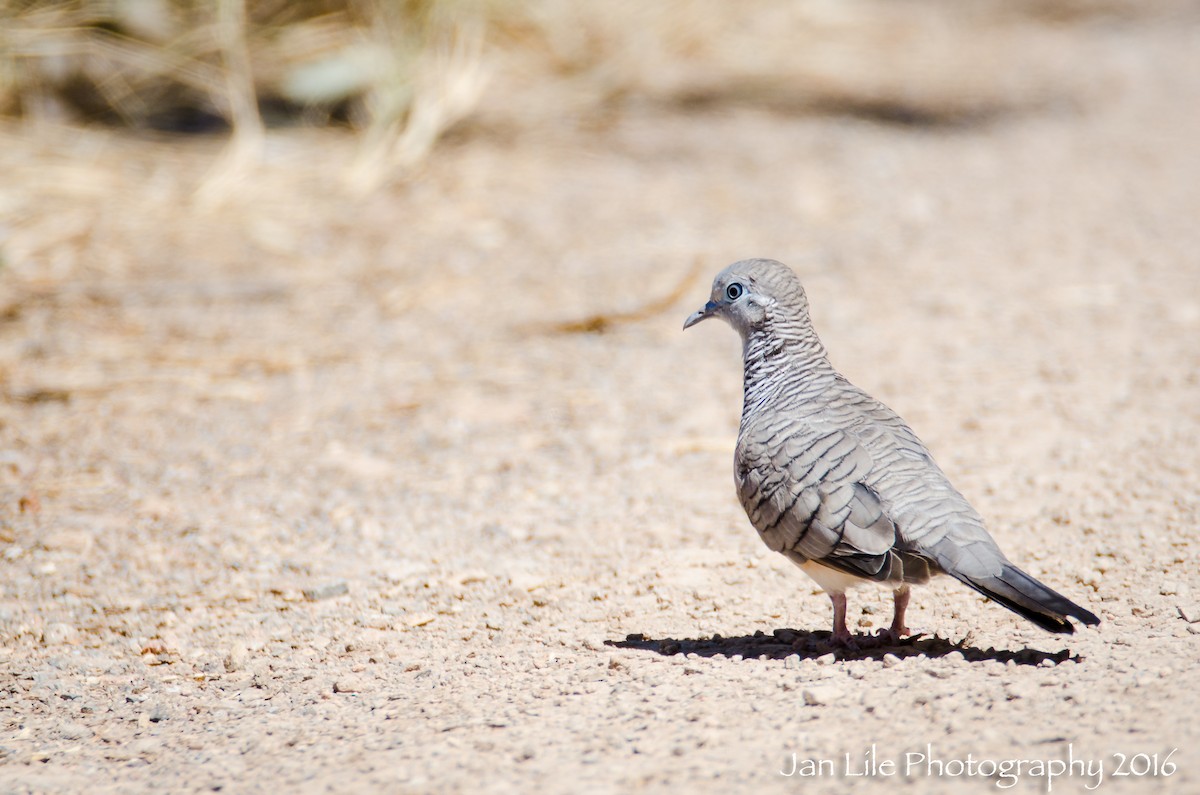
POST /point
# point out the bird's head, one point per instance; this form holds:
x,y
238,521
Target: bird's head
x,y
751,293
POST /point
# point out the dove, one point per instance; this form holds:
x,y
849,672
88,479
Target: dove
x,y
837,482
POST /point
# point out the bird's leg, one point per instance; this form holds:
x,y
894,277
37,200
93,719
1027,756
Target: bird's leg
x,y
900,601
841,635
897,631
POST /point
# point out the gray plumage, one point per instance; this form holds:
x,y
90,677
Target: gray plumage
x,y
836,481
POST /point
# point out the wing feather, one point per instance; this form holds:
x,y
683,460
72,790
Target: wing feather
x,y
806,492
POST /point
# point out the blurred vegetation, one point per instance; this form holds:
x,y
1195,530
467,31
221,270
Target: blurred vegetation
x,y
176,64
402,72
166,64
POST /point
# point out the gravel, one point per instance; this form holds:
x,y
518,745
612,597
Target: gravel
x,y
302,492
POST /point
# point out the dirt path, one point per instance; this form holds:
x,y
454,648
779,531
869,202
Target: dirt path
x,y
305,494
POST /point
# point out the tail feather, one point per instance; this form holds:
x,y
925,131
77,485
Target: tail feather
x,y
1027,597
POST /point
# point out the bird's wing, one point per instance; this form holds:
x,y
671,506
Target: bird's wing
x,y
805,490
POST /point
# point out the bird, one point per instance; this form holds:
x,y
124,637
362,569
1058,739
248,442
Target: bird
x,y
837,482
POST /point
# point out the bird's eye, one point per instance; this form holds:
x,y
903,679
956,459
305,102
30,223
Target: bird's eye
x,y
734,291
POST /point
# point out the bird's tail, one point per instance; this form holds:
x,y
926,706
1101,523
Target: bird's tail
x,y
1027,597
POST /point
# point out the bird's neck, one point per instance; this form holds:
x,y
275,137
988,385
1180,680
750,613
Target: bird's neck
x,y
782,361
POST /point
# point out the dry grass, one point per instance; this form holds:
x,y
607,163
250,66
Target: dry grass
x,y
403,73
606,321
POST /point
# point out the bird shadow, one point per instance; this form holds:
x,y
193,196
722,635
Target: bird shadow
x,y
782,643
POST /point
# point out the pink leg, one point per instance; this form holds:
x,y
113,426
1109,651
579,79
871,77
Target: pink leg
x,y
841,635
897,631
900,599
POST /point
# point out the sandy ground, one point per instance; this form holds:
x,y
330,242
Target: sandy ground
x,y
308,493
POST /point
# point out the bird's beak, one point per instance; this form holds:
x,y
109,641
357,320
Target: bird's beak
x,y
703,314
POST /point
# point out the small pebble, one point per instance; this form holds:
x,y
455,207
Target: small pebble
x,y
421,619
78,542
146,746
236,658
328,591
792,661
1190,613
890,660
75,731
349,684
818,696
57,633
